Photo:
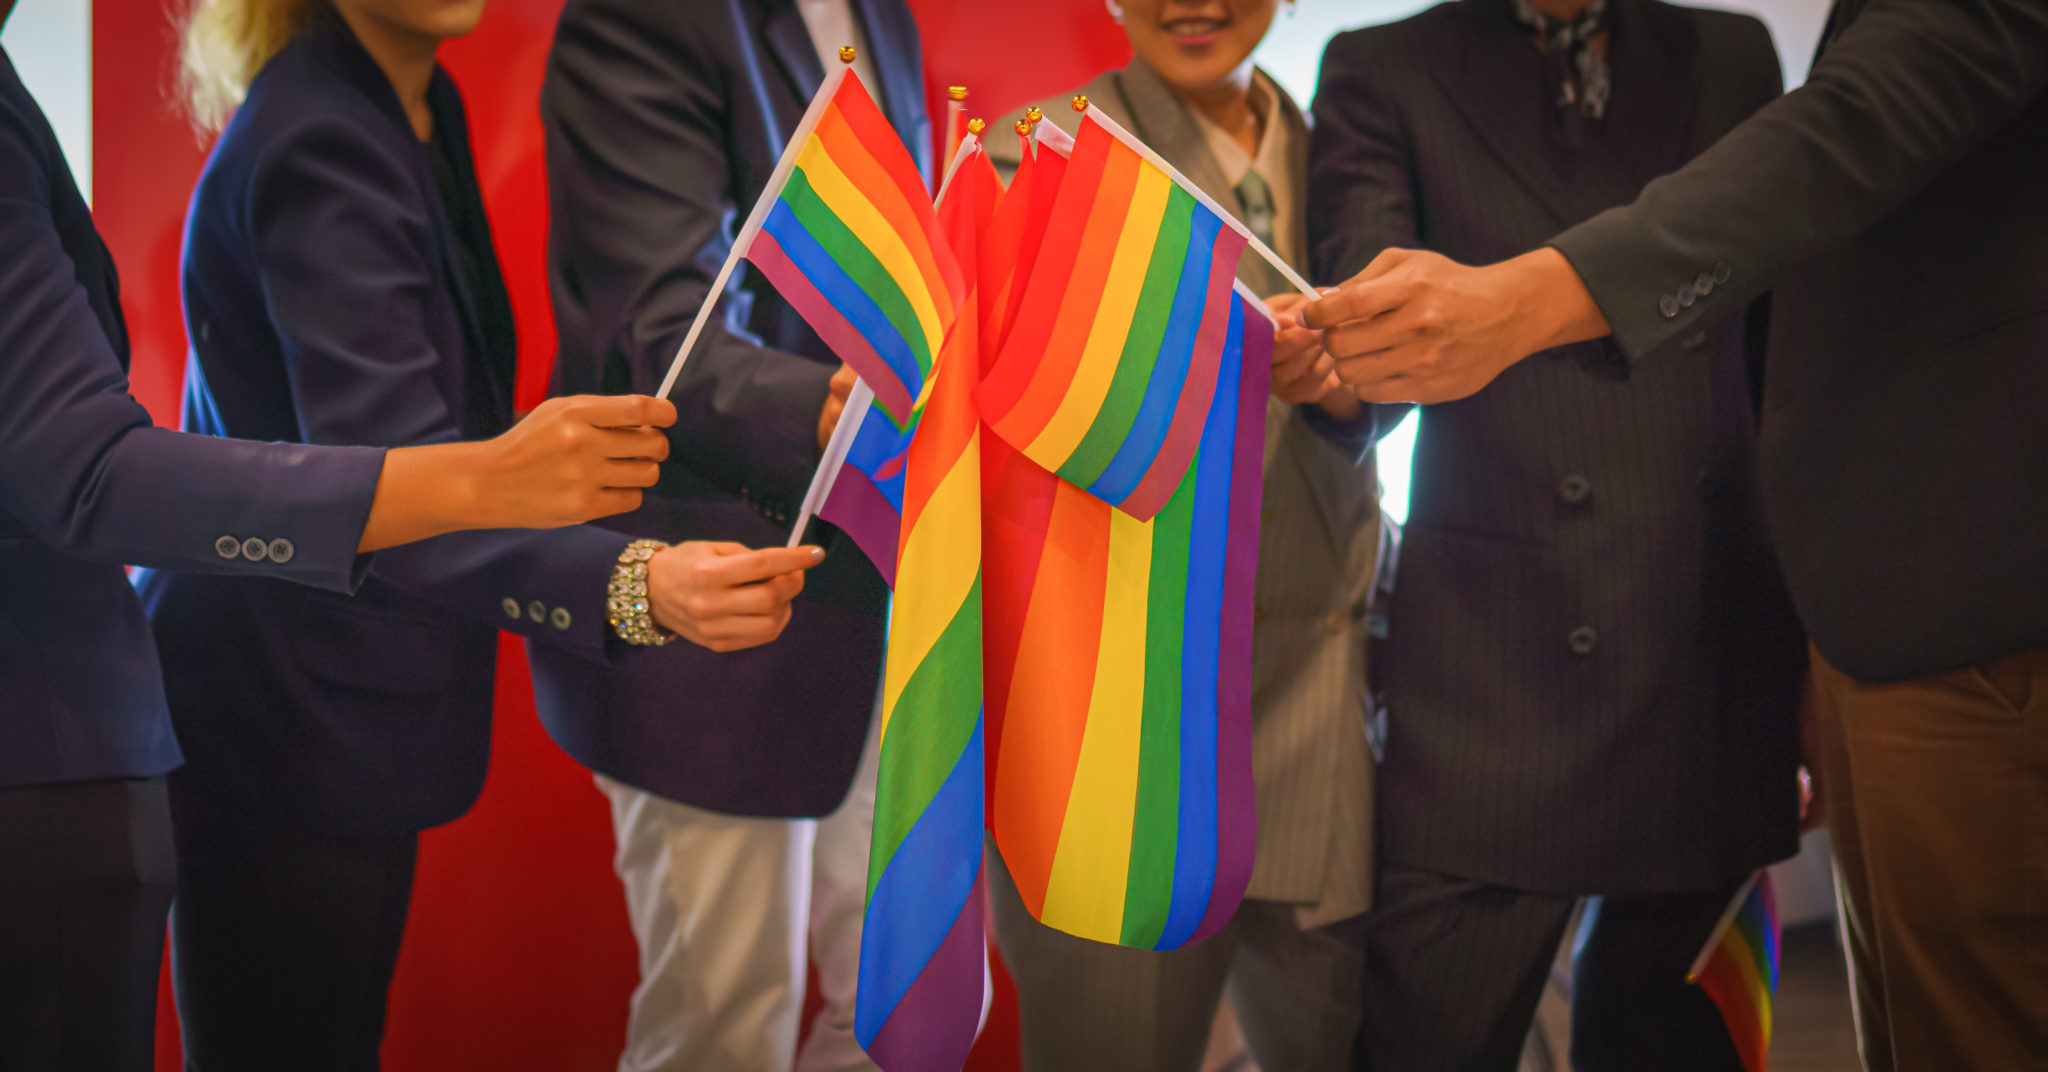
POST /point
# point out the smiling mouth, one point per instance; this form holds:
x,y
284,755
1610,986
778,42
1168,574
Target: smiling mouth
x,y
1187,32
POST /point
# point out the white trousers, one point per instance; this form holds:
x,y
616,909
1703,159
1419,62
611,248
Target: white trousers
x,y
727,911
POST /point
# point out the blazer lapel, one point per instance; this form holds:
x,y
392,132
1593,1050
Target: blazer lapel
x,y
789,41
485,308
1496,79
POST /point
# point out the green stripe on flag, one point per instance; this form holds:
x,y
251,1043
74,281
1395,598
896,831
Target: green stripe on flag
x,y
1119,410
858,261
933,721
1155,826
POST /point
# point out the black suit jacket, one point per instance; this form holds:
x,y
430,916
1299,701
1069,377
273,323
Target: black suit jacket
x,y
1590,676
664,122
1899,203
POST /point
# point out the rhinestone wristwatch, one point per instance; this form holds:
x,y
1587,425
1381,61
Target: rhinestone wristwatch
x,y
626,603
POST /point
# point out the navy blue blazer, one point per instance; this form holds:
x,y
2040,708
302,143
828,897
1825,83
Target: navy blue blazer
x,y
325,306
1591,672
663,123
86,484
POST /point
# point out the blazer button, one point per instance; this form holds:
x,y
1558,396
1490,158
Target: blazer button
x,y
255,550
1584,640
511,608
281,550
228,547
559,618
1668,305
538,611
1574,489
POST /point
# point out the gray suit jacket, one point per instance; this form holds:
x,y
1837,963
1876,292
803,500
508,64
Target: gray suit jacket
x,y
1319,541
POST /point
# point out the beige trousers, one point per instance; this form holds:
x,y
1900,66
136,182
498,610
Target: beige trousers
x,y
1937,791
727,911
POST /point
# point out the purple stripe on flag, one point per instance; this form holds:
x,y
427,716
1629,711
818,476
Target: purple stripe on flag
x,y
1235,811
845,340
932,1028
864,513
1184,434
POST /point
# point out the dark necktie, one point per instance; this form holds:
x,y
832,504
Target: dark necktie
x,y
1576,67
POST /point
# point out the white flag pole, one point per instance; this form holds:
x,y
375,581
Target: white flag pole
x,y
1229,218
759,216
862,398
1699,963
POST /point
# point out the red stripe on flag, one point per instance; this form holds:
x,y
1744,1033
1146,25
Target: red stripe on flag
x,y
1184,434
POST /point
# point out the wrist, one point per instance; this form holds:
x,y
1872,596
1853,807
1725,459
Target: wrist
x,y
1552,301
628,606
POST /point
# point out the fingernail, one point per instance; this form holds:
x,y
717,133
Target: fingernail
x,y
817,553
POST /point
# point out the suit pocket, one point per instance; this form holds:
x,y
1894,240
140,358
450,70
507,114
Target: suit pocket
x,y
373,651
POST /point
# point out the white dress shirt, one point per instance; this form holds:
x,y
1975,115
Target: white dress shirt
x,y
832,24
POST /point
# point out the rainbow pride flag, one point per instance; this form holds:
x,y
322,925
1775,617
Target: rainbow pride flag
x,y
1121,795
859,484
921,958
1738,968
1109,382
846,234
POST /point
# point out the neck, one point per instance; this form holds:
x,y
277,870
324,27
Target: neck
x,y
1228,104
407,59
1561,9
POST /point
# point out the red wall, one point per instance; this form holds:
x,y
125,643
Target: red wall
x,y
518,956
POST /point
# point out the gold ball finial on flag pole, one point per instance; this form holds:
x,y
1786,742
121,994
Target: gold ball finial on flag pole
x,y
1032,115
976,126
1080,102
956,93
1024,128
846,54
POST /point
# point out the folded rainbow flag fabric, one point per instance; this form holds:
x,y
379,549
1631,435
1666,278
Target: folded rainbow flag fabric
x,y
864,494
1109,379
1121,789
850,240
1738,968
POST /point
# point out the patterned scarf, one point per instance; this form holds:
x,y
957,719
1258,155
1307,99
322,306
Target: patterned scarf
x,y
1579,68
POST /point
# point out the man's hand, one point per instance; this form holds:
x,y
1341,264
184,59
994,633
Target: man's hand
x,y
724,596
1419,327
1302,370
835,404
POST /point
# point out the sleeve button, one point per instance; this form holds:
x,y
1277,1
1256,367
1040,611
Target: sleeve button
x,y
559,618
281,551
511,607
255,550
228,547
538,611
1584,640
1574,489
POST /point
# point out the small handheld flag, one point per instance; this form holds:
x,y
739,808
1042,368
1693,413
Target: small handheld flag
x,y
1738,968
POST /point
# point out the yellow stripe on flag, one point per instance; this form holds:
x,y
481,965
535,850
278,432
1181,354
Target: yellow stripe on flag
x,y
1090,869
870,229
1099,359
1736,948
929,597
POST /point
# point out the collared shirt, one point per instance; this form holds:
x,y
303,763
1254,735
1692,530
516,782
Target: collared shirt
x,y
832,24
1272,161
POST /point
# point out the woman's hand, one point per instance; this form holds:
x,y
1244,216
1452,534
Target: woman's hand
x,y
724,596
1302,371
571,460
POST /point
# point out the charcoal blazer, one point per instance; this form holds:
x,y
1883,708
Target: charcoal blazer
x,y
1898,204
87,485
325,306
1590,678
663,123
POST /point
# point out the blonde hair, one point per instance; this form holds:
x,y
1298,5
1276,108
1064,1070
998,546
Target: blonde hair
x,y
223,43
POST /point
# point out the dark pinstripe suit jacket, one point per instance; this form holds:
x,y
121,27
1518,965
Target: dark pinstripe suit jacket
x,y
1591,677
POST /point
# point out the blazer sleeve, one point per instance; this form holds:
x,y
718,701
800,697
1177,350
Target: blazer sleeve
x,y
84,471
639,121
1900,95
344,258
1361,202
